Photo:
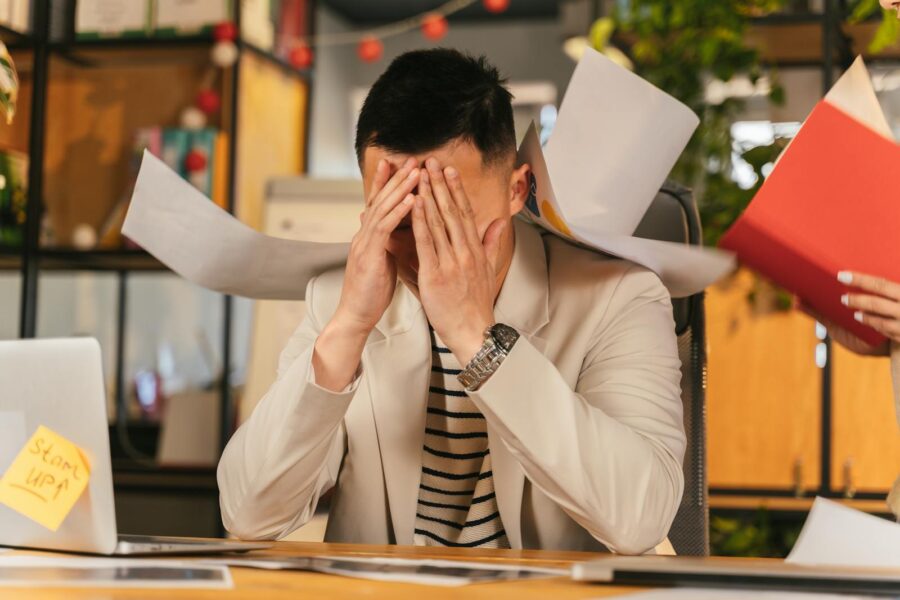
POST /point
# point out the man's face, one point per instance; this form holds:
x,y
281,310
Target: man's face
x,y
487,187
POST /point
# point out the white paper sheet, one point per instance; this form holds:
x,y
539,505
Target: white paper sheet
x,y
177,224
683,269
614,143
615,140
854,94
447,573
40,571
705,594
836,535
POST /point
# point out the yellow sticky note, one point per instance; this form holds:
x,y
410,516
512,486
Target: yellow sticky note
x,y
46,479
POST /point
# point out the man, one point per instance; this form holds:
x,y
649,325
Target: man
x,y
510,390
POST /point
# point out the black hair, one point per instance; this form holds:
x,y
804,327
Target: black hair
x,y
426,98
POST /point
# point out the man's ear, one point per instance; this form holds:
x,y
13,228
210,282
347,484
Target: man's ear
x,y
518,189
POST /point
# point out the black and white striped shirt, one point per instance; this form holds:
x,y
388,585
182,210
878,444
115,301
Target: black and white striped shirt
x,y
457,505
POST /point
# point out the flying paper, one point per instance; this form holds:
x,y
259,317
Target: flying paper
x,y
46,479
185,230
615,141
829,205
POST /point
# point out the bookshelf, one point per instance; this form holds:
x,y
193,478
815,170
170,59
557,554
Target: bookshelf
x,y
71,81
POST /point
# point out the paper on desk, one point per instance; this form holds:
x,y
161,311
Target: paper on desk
x,y
187,232
836,535
722,594
424,572
46,478
42,571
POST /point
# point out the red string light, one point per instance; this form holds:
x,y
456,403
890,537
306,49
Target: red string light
x,y
434,26
370,49
496,6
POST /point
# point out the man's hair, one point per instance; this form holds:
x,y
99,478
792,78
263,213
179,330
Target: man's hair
x,y
427,98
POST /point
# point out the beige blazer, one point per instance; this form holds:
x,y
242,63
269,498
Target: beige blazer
x,y
584,416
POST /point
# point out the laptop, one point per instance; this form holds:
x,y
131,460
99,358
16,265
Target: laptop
x,y
58,383
732,573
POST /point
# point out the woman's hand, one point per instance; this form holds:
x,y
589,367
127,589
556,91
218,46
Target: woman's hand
x,y
879,304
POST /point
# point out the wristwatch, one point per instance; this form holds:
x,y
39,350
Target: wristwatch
x,y
499,339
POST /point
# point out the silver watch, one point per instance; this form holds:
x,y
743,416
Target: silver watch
x,y
498,341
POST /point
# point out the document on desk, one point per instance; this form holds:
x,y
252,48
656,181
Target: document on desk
x,y
830,204
187,232
839,536
425,572
725,594
41,571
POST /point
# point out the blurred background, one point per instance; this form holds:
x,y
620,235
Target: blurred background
x,y
255,103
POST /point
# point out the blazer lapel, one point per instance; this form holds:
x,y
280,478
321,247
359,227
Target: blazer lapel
x,y
398,368
523,303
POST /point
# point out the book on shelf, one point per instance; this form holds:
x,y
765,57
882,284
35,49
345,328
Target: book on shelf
x,y
172,145
257,27
16,14
98,19
173,18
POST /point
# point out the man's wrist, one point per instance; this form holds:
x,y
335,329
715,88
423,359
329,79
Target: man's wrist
x,y
469,344
346,327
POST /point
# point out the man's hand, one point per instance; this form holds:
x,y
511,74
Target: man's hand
x,y
369,280
457,271
879,307
371,274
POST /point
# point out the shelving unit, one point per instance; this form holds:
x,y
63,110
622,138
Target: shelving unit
x,y
36,50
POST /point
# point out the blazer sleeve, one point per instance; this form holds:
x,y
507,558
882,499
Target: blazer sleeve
x,y
289,451
895,373
610,451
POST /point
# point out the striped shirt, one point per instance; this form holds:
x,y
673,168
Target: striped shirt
x,y
457,505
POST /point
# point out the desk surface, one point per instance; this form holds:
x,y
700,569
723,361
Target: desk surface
x,y
278,585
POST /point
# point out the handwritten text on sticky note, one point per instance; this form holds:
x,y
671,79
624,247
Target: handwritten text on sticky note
x,y
46,479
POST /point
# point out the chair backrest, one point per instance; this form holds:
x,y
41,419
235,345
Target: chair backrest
x,y
673,217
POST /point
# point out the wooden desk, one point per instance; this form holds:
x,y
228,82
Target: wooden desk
x,y
284,585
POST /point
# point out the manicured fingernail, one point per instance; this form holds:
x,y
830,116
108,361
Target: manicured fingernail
x,y
845,299
431,163
858,315
410,162
413,174
845,277
450,172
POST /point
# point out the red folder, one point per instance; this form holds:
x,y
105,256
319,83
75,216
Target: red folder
x,y
832,203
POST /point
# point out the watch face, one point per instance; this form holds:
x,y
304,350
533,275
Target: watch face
x,y
504,335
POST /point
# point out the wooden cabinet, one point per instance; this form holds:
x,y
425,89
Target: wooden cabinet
x,y
866,437
764,401
763,394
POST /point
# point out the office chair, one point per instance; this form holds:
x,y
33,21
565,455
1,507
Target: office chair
x,y
673,217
